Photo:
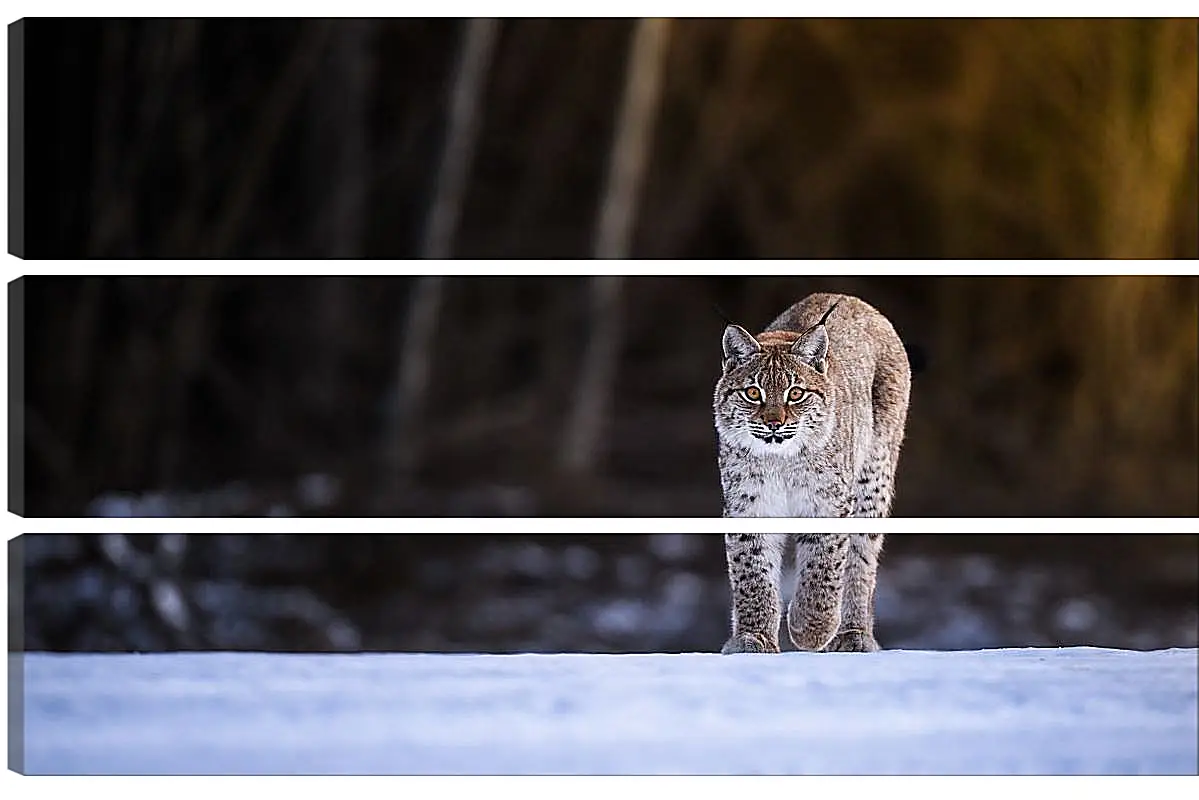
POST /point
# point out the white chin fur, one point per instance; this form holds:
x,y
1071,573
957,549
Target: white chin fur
x,y
761,448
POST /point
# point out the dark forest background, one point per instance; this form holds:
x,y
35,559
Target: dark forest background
x,y
534,138
573,138
563,593
530,396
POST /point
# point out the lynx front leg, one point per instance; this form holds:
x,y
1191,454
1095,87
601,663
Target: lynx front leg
x,y
755,567
815,610
856,634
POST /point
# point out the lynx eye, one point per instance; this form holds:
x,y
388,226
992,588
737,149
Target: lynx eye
x,y
795,394
753,393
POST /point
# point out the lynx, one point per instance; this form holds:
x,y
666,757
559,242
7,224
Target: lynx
x,y
810,415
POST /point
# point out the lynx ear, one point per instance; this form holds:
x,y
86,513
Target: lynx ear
x,y
738,344
812,348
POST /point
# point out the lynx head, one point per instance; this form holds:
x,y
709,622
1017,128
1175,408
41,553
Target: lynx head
x,y
774,393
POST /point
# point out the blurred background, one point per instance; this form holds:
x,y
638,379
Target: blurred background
x,y
534,138
562,593
544,396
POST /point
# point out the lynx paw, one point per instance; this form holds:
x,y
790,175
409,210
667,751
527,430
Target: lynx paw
x,y
853,642
749,643
811,631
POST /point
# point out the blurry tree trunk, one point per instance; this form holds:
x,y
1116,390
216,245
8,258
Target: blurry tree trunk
x,y
182,359
416,349
345,107
192,126
1133,319
470,79
965,107
110,200
551,137
261,147
634,138
404,440
721,121
338,177
143,60
1149,117
618,211
127,423
596,379
1120,91
336,332
79,363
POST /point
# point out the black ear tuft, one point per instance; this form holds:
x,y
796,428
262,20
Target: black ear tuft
x,y
831,308
738,344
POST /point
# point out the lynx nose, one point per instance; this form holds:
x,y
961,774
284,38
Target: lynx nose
x,y
773,424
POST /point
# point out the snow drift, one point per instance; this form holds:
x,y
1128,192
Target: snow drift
x,y
1044,711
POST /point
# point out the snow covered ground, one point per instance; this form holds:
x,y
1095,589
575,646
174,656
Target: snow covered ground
x,y
1068,711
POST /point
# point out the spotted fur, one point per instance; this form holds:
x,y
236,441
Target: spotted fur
x,y
809,418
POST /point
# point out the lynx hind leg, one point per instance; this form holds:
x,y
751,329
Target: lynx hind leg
x,y
755,562
815,612
874,488
856,633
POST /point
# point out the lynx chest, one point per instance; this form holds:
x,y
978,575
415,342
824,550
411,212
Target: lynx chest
x,y
782,490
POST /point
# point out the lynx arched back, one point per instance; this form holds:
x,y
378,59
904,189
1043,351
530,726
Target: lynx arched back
x,y
810,416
